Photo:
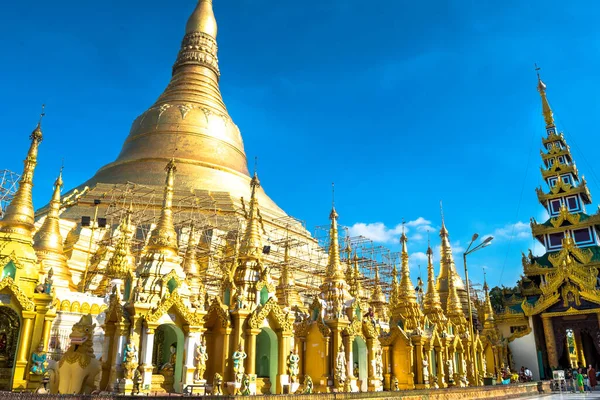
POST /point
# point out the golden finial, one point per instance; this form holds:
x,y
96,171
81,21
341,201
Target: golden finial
x,y
202,19
546,110
19,215
443,230
121,264
407,290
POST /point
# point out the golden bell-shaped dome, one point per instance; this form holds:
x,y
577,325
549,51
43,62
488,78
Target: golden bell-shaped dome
x,y
189,122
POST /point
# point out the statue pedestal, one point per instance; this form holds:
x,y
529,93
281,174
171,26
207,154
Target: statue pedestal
x,y
252,385
126,386
354,385
375,385
233,388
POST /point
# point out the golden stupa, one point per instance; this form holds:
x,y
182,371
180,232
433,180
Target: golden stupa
x,y
189,122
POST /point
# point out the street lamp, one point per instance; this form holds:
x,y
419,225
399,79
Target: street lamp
x,y
486,242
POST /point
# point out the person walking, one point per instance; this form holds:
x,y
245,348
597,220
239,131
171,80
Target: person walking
x,y
592,378
579,381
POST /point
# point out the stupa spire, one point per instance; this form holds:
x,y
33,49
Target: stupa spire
x,y
546,110
287,277
121,263
432,305
251,246
19,215
48,241
48,238
408,309
488,310
407,290
164,237
334,267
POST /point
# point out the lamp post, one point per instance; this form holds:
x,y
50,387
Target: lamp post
x,y
486,242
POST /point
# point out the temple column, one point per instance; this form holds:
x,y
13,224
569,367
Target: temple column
x,y
439,360
284,350
550,341
20,369
325,379
387,365
47,330
115,357
227,375
251,359
418,360
579,348
146,358
301,351
192,340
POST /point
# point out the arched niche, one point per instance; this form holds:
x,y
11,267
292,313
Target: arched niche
x,y
266,357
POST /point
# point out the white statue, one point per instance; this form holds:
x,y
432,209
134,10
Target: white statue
x,y
340,365
425,369
450,366
378,364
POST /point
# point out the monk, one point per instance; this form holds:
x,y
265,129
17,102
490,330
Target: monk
x,y
592,377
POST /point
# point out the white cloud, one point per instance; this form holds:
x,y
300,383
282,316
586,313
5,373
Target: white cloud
x,y
519,230
379,232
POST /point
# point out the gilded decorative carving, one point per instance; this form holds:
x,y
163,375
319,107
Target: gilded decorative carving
x,y
11,257
540,305
270,308
170,301
563,216
218,309
22,299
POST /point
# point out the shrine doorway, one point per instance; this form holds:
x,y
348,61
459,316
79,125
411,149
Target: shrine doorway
x,y
267,351
10,324
590,350
167,358
359,363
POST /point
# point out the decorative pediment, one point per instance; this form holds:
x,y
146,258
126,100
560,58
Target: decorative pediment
x,y
10,257
273,311
218,311
173,300
565,215
543,302
114,312
395,333
25,303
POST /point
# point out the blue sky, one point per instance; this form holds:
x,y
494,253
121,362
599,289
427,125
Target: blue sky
x,y
402,104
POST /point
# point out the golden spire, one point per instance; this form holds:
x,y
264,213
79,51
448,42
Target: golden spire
x,y
447,268
121,262
334,267
432,304
394,293
199,46
407,290
488,310
432,297
378,295
546,110
190,263
251,246
164,237
287,277
454,307
354,280
286,291
19,215
202,20
48,239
